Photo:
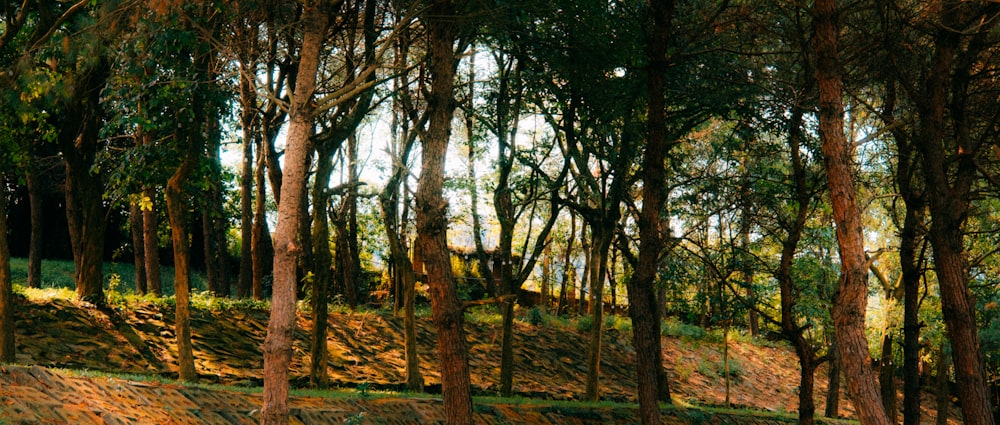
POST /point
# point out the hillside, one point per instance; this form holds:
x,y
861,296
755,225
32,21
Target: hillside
x,y
366,352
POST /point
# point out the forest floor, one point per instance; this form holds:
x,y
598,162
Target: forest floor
x,y
65,342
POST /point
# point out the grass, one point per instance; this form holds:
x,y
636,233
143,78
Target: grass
x,y
118,276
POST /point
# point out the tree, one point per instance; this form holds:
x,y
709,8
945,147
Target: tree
x,y
852,289
643,307
442,21
7,347
302,112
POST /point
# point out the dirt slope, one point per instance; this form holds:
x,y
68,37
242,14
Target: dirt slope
x,y
366,350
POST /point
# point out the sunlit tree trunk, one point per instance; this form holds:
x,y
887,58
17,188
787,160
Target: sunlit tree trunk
x,y
852,289
439,18
281,326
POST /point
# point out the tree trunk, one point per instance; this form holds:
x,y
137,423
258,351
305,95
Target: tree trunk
x,y
943,389
151,245
585,247
642,286
177,207
248,116
37,226
602,234
887,376
833,378
85,215
432,220
321,267
568,267
214,223
262,250
7,346
138,247
281,326
807,407
946,87
398,252
852,290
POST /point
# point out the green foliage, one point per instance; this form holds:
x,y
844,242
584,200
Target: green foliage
x,y
673,327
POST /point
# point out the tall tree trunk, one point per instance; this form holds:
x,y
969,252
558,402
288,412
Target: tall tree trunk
x,y
212,218
586,248
887,376
641,287
601,235
281,326
138,247
321,267
262,250
943,389
910,261
568,267
37,225
177,207
852,288
7,346
78,141
432,221
833,388
151,245
946,87
248,115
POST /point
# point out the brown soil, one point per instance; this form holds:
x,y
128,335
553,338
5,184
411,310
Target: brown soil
x,y
365,351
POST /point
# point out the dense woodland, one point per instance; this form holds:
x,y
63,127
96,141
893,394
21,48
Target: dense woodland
x,y
824,172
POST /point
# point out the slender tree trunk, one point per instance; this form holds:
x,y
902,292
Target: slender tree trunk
x,y
7,345
833,378
151,245
946,87
568,267
177,207
37,226
601,234
852,290
642,286
138,247
585,246
432,222
213,220
321,268
281,326
943,389
262,250
807,407
248,116
887,376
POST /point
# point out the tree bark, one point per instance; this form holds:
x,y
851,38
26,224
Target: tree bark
x,y
887,376
248,121
321,267
138,247
177,207
37,226
642,286
432,221
7,345
262,250
151,245
78,141
281,326
852,288
601,234
947,87
943,389
833,378
212,218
